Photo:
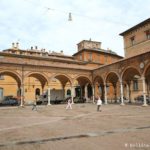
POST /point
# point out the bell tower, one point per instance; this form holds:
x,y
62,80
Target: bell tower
x,y
88,44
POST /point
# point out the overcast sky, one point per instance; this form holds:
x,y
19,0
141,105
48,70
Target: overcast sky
x,y
44,23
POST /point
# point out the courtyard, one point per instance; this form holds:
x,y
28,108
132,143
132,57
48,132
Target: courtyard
x,y
82,128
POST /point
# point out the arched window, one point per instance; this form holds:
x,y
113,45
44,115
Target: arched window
x,y
147,32
37,91
68,92
135,85
132,39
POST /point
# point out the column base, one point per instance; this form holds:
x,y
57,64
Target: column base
x,y
122,104
21,106
144,105
49,104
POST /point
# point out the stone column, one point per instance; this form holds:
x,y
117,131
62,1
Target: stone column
x,y
144,91
81,91
42,90
22,95
49,96
86,93
22,88
72,94
121,93
128,92
115,92
93,90
63,88
105,90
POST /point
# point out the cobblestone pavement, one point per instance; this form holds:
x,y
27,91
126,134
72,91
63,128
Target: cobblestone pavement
x,y
82,128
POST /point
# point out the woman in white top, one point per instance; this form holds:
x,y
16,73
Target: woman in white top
x,y
99,103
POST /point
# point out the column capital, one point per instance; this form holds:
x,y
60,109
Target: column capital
x,y
120,80
143,77
106,84
48,84
86,85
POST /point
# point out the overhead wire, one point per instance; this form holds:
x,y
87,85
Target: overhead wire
x,y
71,15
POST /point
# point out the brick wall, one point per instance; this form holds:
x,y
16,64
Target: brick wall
x,y
141,43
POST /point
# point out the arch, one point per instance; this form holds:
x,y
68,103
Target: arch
x,y
112,77
129,73
112,86
99,86
84,87
82,79
131,78
146,71
40,76
13,74
98,79
63,78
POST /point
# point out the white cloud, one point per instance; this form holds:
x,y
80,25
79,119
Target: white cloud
x,y
33,24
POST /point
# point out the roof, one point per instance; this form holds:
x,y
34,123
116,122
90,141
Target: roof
x,y
88,41
41,52
109,52
47,58
136,26
122,60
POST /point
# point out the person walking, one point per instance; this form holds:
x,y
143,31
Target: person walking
x,y
69,104
35,103
99,103
34,106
